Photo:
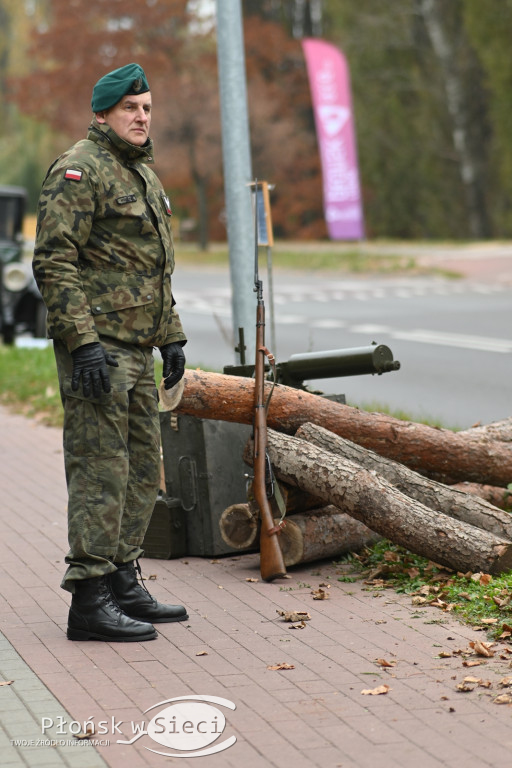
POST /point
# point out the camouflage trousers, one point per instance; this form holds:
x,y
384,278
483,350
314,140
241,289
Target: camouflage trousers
x,y
112,461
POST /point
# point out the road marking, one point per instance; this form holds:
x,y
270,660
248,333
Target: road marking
x,y
443,338
219,298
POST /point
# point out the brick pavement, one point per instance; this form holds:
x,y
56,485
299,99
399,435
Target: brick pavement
x,y
312,715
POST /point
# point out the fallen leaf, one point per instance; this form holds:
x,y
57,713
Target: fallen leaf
x,y
417,600
302,625
481,648
505,682
251,580
503,698
489,621
384,663
445,655
89,731
471,663
202,653
376,691
470,680
320,594
294,615
7,682
465,687
282,665
482,578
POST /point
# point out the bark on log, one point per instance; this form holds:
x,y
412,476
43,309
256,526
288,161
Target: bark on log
x,y
438,453
379,505
498,497
496,430
322,533
436,496
307,536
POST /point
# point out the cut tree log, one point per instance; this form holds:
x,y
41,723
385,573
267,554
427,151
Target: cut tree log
x,y
437,453
322,533
239,526
378,504
307,536
496,430
498,497
439,497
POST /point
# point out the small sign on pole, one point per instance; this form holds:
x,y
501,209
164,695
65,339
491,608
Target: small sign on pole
x,y
265,233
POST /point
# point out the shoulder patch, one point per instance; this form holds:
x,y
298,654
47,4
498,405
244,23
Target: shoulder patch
x,y
73,174
167,203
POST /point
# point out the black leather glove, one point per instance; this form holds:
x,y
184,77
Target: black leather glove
x,y
90,363
174,360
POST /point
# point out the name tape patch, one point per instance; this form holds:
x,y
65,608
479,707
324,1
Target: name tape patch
x,y
126,199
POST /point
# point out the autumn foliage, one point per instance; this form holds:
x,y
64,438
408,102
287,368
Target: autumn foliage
x,y
83,39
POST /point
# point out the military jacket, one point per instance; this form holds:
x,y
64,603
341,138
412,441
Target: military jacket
x,y
104,253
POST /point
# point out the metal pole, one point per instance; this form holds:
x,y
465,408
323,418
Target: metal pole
x,y
237,169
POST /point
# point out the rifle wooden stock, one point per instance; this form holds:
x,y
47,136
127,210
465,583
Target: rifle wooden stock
x,y
271,558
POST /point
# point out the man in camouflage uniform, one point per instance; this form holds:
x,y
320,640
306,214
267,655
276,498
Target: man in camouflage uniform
x,y
103,262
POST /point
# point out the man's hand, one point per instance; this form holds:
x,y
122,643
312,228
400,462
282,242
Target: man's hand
x,y
174,360
90,363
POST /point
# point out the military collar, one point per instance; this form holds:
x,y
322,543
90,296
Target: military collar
x,y
102,134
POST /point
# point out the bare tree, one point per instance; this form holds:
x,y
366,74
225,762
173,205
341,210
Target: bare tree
x,y
446,46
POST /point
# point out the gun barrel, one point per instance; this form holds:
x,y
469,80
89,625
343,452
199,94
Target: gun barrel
x,y
354,361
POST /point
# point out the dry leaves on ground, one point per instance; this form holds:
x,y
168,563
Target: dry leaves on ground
x,y
376,691
294,615
481,648
320,594
282,665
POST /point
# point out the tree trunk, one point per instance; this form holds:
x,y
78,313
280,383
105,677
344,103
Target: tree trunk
x,y
437,453
447,51
375,502
440,498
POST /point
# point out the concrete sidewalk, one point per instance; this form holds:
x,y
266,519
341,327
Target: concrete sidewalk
x,y
312,715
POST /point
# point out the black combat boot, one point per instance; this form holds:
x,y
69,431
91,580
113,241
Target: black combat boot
x,y
95,615
135,600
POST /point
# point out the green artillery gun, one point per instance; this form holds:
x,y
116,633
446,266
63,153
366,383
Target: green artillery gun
x,y
327,364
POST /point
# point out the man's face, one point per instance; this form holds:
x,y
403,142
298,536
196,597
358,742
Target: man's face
x,y
130,118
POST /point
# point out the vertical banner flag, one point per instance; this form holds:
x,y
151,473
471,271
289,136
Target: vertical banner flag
x,y
332,107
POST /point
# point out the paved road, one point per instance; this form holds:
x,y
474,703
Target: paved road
x,y
452,337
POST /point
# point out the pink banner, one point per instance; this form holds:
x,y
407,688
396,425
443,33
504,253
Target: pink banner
x,y
332,106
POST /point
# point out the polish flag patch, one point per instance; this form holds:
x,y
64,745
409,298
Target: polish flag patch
x,y
73,174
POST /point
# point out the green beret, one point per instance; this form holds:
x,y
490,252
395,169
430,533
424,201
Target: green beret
x,y
111,88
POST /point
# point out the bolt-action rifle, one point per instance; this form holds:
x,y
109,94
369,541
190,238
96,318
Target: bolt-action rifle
x,y
271,558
